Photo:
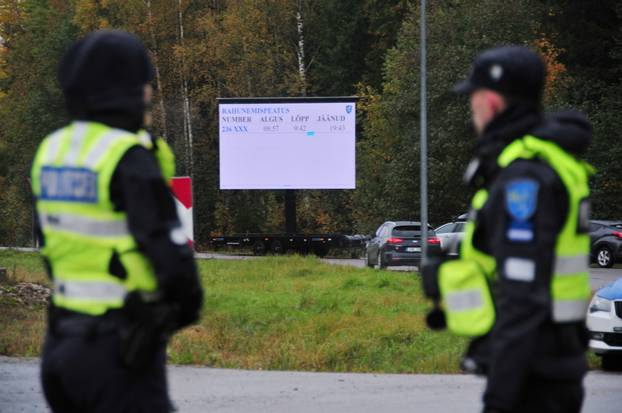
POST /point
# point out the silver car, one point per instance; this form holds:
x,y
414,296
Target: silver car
x,y
451,234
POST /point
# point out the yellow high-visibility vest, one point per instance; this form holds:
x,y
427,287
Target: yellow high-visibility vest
x,y
71,177
465,283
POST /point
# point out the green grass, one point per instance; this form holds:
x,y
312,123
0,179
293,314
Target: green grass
x,y
21,327
281,313
296,313
23,266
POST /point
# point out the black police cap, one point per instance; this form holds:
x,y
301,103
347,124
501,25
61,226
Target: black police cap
x,y
105,71
514,71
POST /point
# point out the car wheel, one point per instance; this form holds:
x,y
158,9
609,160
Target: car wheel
x,y
368,261
277,247
381,262
604,258
259,248
320,250
612,362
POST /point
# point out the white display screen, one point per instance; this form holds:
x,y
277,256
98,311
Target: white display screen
x,y
287,144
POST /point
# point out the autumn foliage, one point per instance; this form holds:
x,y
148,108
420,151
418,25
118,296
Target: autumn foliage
x,y
203,50
556,72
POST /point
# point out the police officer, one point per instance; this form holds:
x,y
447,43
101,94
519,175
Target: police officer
x,y
124,277
520,287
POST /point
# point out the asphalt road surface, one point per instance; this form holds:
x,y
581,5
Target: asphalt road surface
x,y
599,277
199,390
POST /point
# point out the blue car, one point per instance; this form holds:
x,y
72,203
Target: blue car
x,y
604,320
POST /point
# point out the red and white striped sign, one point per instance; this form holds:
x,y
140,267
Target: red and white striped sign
x,y
182,193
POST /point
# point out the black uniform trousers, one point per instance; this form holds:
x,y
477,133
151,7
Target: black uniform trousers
x,y
83,373
551,396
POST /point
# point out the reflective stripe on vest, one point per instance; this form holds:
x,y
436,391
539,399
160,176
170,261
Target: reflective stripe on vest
x,y
75,144
90,290
54,145
463,300
571,265
85,226
98,151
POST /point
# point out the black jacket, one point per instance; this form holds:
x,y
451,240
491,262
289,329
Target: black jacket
x,y
138,188
524,342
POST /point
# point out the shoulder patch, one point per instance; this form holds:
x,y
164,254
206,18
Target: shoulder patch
x,y
521,199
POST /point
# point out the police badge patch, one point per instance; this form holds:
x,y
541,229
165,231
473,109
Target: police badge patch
x,y
521,199
68,184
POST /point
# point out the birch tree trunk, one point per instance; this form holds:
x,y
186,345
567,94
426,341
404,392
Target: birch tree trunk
x,y
290,194
155,57
301,50
187,123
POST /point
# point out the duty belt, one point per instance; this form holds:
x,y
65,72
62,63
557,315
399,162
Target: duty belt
x,y
84,326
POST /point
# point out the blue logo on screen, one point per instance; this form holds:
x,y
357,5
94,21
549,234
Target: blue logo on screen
x,y
348,109
310,133
68,184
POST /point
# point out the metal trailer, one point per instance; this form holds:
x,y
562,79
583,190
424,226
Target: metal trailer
x,y
318,244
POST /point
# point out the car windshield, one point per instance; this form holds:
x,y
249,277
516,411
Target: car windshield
x,y
407,231
617,225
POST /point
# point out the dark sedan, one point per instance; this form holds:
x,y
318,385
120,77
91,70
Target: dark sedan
x,y
606,237
399,243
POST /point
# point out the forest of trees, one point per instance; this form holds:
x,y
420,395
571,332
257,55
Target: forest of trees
x,y
205,49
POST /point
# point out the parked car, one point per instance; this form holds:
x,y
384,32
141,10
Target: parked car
x,y
606,237
399,243
451,234
604,320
